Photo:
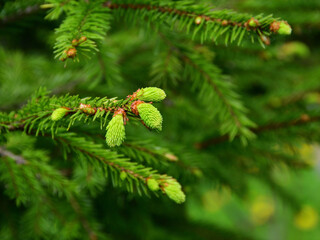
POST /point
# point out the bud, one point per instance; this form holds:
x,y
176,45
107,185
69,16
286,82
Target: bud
x,y
224,23
198,20
58,114
253,22
305,117
72,52
83,39
86,108
171,157
265,39
151,94
123,175
153,184
174,192
150,116
74,42
284,28
274,26
115,131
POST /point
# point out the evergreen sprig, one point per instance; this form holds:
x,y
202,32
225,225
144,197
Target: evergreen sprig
x,y
200,21
170,44
28,175
145,152
44,113
121,171
214,89
217,90
86,24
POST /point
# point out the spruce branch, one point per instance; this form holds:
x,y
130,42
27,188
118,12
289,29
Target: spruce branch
x,y
144,152
29,176
44,113
86,24
136,176
88,21
155,156
209,79
18,192
199,19
46,212
85,223
213,88
18,15
18,159
304,119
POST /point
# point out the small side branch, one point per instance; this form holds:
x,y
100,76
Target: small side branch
x,y
182,13
18,159
85,223
304,119
21,14
216,89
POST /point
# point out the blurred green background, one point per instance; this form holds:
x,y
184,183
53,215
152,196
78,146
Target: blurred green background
x,y
277,82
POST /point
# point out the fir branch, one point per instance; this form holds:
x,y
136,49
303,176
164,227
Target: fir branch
x,y
99,153
304,119
12,179
46,211
166,69
144,152
37,113
213,89
19,15
5,153
104,68
208,78
136,177
169,10
32,179
28,176
199,19
85,223
85,25
88,22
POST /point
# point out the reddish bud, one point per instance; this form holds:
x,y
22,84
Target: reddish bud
x,y
253,22
274,27
134,106
305,117
265,39
224,23
74,42
83,39
72,52
198,20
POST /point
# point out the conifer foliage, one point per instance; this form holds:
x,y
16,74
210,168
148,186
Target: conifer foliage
x,y
119,117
